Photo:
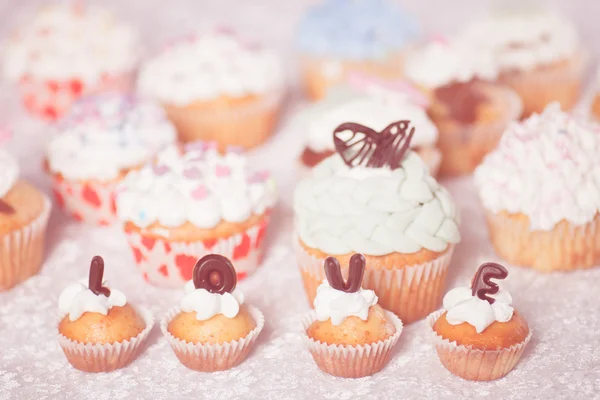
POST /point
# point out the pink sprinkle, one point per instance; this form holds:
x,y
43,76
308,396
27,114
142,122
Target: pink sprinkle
x,y
260,176
222,171
199,193
192,173
160,169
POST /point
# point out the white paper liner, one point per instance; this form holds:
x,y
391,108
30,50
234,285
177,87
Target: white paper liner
x,y
351,361
95,357
474,364
206,357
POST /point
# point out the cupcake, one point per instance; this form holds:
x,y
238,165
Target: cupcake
x,y
538,53
540,192
479,336
194,201
24,212
101,139
337,37
216,87
469,109
371,102
99,331
212,329
66,51
404,222
349,335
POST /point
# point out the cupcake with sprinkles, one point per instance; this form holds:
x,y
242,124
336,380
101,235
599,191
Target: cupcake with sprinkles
x,y
376,197
212,329
97,144
67,51
193,201
337,37
217,87
540,191
479,336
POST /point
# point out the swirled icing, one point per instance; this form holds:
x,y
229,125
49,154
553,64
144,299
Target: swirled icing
x,y
105,135
9,172
77,299
546,167
208,66
206,304
63,42
337,305
462,307
199,186
375,211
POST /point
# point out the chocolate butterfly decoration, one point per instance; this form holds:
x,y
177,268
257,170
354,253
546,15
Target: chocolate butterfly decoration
x,y
96,276
214,273
333,272
6,208
482,285
367,147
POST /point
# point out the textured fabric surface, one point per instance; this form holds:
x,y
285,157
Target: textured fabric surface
x,y
561,362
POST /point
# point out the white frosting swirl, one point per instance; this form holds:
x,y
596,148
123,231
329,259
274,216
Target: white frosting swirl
x,y
9,172
64,42
208,66
77,299
462,307
199,186
546,167
374,211
102,136
206,304
338,305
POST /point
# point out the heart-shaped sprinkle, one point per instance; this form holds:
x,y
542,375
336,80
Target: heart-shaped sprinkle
x,y
192,173
199,193
222,171
160,169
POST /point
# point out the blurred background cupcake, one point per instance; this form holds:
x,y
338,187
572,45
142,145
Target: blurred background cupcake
x,y
336,37
217,87
66,51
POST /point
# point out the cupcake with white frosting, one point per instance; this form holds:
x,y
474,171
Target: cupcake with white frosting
x,y
540,192
24,213
467,105
212,329
99,330
66,51
349,335
194,201
479,335
376,197
216,87
101,139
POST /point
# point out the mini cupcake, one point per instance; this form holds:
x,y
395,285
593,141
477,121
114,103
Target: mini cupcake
x,y
376,197
99,331
349,335
338,37
538,53
101,139
191,202
24,212
66,51
215,87
469,110
212,329
371,102
479,336
540,190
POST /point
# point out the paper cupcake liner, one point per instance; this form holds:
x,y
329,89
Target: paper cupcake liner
x,y
351,361
474,364
411,292
91,202
95,357
206,357
567,247
168,263
50,99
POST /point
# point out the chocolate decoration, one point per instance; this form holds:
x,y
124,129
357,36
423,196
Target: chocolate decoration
x,y
96,276
461,100
333,272
214,273
482,285
6,208
374,149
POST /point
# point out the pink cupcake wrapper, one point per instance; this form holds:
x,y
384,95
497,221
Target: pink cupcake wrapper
x,y
351,361
474,364
206,357
95,357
